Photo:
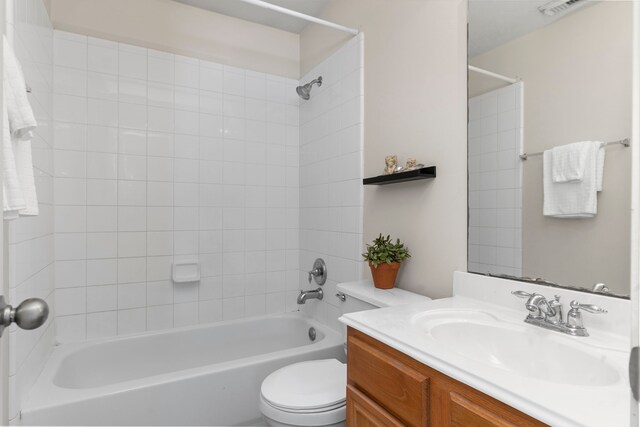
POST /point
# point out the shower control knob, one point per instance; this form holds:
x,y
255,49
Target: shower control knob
x,y
30,314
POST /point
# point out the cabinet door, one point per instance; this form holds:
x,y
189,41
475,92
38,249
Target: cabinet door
x,y
463,413
364,412
400,389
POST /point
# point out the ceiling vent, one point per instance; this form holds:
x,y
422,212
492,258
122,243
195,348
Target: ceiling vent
x,y
558,6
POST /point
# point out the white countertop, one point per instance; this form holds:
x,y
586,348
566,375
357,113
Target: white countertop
x,y
554,403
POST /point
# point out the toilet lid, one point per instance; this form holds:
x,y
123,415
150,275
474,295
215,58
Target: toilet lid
x,y
316,384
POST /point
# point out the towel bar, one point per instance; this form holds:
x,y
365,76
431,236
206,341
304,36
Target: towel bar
x,y
626,142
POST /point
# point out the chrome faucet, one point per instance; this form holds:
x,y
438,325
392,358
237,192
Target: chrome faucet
x,y
549,315
313,294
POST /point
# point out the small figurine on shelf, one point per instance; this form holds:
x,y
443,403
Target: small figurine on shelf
x,y
391,163
412,164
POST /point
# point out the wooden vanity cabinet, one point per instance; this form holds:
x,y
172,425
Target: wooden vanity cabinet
x,y
388,388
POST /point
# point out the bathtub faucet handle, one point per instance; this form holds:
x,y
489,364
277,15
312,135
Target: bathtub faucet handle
x,y
318,272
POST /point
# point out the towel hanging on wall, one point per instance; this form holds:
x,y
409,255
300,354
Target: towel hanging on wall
x,y
20,196
579,178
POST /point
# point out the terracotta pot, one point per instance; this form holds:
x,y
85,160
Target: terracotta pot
x,y
384,276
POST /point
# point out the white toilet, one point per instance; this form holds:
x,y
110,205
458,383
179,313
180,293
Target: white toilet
x,y
313,393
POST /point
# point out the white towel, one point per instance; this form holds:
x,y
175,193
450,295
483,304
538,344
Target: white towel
x,y
20,191
12,198
568,161
21,118
576,199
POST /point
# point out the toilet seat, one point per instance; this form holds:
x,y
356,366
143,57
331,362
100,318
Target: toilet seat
x,y
309,393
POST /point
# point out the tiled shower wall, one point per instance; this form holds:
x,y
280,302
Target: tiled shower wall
x,y
495,181
160,158
331,199
30,260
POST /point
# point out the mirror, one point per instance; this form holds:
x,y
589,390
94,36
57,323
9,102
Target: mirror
x,y
543,75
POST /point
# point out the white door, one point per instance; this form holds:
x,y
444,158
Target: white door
x,y
634,365
4,287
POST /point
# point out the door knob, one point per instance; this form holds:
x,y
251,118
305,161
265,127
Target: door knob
x,y
29,314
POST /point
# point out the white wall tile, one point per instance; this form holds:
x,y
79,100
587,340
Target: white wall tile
x,y
160,67
70,81
102,139
132,321
102,86
101,165
102,272
132,270
132,62
133,116
132,295
102,325
70,53
102,298
132,91
160,95
102,245
102,56
187,72
159,317
102,192
495,235
161,173
100,219
70,301
101,112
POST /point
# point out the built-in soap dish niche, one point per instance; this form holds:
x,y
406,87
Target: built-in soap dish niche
x,y
187,271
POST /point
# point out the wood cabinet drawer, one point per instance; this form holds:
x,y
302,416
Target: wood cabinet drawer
x,y
364,412
400,389
465,411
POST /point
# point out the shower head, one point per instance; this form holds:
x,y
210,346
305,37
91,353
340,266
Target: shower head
x,y
305,91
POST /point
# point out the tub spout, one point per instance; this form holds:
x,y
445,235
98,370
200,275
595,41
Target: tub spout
x,y
314,294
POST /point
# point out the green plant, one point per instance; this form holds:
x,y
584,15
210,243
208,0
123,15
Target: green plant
x,y
384,250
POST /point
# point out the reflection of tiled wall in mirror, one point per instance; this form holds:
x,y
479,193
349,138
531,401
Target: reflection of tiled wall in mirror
x,y
495,181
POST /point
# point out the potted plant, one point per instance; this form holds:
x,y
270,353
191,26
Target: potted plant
x,y
384,257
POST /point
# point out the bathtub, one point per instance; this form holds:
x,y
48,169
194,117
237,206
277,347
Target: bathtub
x,y
203,375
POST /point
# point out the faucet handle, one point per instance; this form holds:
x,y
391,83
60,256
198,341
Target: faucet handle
x,y
521,294
575,305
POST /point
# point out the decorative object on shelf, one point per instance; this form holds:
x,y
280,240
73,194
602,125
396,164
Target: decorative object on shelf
x,y
412,164
384,258
407,175
391,163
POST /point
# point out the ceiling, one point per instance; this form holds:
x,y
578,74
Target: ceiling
x,y
495,22
262,16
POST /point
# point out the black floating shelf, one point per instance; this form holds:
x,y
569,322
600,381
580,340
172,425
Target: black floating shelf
x,y
422,173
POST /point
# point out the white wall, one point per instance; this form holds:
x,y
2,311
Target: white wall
x,y
495,181
30,260
161,158
415,106
331,127
182,29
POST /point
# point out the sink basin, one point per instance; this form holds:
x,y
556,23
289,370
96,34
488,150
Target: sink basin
x,y
540,355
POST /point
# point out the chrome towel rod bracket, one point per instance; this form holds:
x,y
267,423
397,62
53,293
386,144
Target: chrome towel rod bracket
x,y
626,142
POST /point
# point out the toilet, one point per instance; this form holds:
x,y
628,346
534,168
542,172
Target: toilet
x,y
313,393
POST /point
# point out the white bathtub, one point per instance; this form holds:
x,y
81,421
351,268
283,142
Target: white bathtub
x,y
204,375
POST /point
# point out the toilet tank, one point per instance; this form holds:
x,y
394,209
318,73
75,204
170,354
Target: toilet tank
x,y
362,295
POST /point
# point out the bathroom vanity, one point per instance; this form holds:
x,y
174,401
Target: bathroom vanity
x,y
472,360
386,387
